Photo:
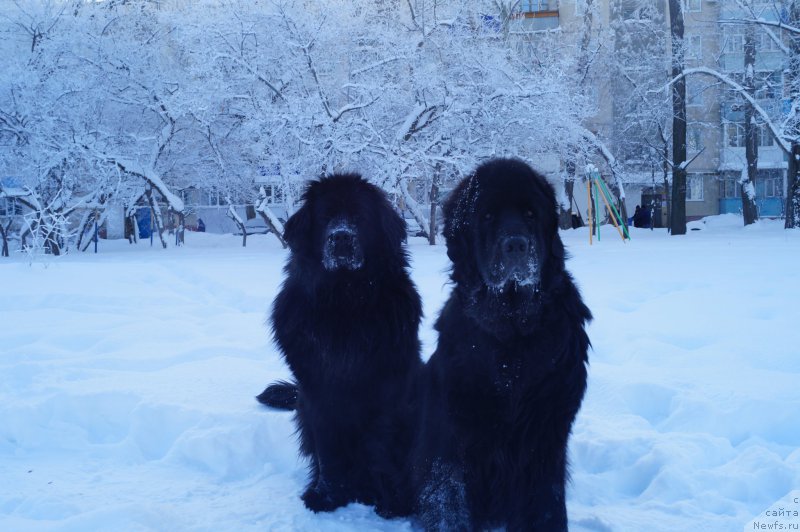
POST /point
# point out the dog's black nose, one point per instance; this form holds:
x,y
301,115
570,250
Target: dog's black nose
x,y
342,242
515,247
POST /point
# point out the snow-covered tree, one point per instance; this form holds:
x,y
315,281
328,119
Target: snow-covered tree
x,y
642,109
135,101
45,107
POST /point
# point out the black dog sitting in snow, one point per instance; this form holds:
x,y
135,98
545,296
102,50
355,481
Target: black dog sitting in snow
x,y
346,322
509,373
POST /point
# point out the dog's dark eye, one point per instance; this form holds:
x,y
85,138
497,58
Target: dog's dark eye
x,y
488,216
529,214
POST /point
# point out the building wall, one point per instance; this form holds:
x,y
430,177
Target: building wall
x,y
703,106
709,204
709,43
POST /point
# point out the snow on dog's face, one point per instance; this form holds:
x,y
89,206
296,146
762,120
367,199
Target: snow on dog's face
x,y
501,228
342,249
345,225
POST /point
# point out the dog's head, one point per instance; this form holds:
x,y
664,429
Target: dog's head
x,y
345,225
501,228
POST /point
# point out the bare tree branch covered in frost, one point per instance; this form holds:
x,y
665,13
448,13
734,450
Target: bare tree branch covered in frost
x,y
130,103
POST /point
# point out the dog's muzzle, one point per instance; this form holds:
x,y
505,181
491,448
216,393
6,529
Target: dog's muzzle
x,y
514,263
342,249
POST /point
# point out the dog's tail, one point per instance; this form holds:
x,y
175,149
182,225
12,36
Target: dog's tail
x,y
281,395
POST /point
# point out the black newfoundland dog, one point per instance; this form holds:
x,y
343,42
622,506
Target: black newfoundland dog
x,y
346,322
509,372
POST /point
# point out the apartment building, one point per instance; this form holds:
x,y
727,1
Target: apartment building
x,y
714,39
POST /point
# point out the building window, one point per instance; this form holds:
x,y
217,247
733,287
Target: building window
x,y
694,188
534,6
274,193
214,198
729,188
694,138
769,85
734,135
735,138
765,138
693,6
694,47
694,93
765,43
190,196
734,44
773,187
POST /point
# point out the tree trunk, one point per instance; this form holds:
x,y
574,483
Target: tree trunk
x,y
180,231
414,208
4,234
678,208
85,224
51,243
155,212
793,188
748,181
273,224
793,84
131,227
433,221
238,221
88,229
667,189
565,214
273,228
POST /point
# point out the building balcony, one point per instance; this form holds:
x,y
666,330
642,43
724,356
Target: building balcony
x,y
538,8
538,14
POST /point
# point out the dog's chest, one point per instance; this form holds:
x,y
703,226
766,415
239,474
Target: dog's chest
x,y
507,373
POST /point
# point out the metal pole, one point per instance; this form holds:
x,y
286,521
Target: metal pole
x,y
590,216
597,211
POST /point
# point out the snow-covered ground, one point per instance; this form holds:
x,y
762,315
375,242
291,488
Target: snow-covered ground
x,y
127,381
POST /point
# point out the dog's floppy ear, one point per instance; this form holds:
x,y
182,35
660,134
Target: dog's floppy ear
x,y
557,247
393,226
550,223
457,211
298,228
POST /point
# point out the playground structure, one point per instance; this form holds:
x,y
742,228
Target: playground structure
x,y
597,189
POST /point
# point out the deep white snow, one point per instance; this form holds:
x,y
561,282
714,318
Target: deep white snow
x,y
127,381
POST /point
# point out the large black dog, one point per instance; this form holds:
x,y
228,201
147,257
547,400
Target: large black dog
x,y
509,373
346,321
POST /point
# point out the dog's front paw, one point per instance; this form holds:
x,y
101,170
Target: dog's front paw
x,y
321,500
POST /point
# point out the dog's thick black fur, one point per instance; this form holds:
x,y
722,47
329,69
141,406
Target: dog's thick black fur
x,y
509,373
346,321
